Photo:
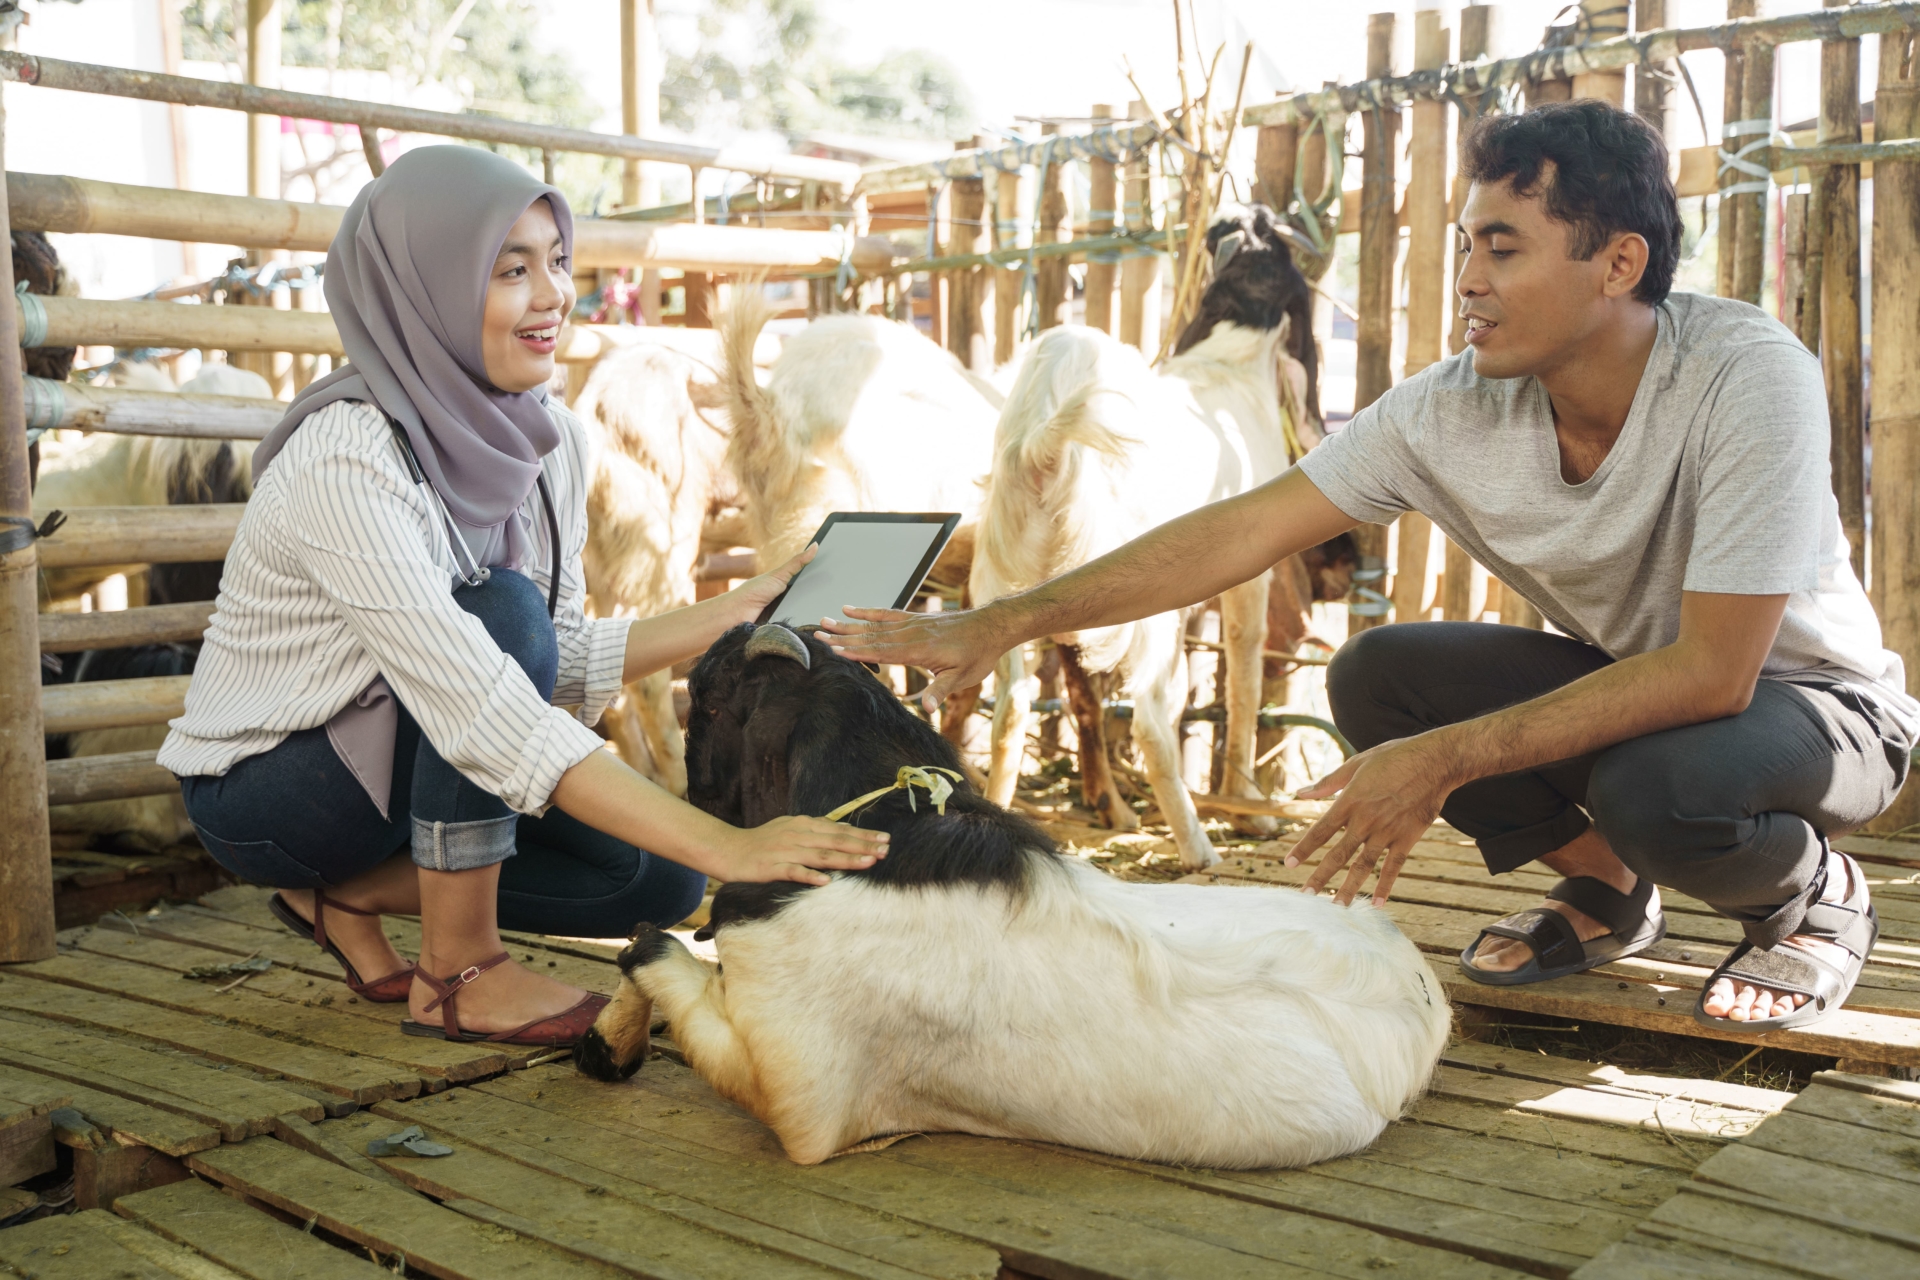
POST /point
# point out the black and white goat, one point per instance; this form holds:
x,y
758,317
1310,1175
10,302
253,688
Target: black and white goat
x,y
977,981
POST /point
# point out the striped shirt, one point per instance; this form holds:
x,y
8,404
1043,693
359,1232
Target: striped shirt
x,y
342,571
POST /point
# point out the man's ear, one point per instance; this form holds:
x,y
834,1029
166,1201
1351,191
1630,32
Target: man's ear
x,y
764,782
1626,257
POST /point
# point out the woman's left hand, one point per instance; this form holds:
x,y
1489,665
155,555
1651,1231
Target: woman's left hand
x,y
755,594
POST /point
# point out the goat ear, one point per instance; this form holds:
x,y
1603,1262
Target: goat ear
x,y
764,780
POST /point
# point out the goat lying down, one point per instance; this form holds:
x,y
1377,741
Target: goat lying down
x,y
976,981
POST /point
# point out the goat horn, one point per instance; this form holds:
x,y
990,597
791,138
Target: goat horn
x,y
770,639
1229,245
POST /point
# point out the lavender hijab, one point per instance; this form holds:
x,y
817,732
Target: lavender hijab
x,y
406,281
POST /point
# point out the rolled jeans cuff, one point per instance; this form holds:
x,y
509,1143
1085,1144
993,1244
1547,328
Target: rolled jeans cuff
x,y
463,846
1511,850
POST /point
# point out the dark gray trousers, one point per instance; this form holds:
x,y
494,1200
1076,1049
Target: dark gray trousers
x,y
1734,812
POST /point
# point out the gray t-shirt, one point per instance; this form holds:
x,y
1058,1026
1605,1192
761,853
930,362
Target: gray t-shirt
x,y
1718,483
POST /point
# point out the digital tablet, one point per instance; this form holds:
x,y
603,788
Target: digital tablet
x,y
867,559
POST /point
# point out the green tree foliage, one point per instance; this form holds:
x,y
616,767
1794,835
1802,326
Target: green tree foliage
x,y
790,79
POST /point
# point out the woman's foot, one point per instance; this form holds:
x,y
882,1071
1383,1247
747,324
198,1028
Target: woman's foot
x,y
504,998
1739,1002
1588,854
360,938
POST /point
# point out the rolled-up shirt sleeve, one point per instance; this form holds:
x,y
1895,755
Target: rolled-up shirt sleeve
x,y
361,532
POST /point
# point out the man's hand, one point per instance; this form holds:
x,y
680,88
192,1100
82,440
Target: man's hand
x,y
1388,797
957,649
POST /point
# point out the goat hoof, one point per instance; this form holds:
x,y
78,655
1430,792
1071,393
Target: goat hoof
x,y
594,1056
649,944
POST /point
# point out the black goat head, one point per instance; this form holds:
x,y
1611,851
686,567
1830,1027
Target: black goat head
x,y
1257,285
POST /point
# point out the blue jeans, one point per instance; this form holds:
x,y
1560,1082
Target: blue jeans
x,y
295,817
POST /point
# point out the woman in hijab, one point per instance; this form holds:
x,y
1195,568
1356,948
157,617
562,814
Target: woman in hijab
x,y
391,707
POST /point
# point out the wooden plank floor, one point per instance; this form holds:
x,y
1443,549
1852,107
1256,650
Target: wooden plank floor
x,y
1444,896
252,1108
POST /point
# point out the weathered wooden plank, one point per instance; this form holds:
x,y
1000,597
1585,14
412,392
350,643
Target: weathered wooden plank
x,y
1677,1116
1644,1257
283,1004
1497,1060
1043,1234
1820,1187
121,1117
26,1147
16,1200
1871,1151
1636,1146
1763,1233
1869,1111
363,1080
1556,1173
91,1246
24,1097
171,1082
434,1239
690,1186
649,1234
240,1238
1878,1086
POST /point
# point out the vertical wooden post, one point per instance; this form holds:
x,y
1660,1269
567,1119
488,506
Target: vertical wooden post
x,y
1838,301
1102,193
26,859
1792,285
1896,377
640,115
970,296
1650,88
697,286
1731,207
1012,197
1478,36
1379,247
1050,293
262,68
1603,20
1426,285
1140,269
1276,156
939,283
1750,245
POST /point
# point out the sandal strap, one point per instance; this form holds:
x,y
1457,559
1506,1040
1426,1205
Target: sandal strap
x,y
1849,923
1623,913
1781,969
445,990
1550,935
321,902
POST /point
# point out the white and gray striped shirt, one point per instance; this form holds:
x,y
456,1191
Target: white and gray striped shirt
x,y
342,571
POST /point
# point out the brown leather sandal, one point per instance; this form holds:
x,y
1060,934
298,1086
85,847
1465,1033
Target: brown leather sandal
x,y
391,989
558,1031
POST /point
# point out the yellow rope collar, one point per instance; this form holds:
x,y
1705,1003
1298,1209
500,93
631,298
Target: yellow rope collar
x,y
909,777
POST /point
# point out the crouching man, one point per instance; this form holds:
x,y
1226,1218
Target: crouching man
x,y
1651,472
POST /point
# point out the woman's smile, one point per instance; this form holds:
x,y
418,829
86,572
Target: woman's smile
x,y
540,339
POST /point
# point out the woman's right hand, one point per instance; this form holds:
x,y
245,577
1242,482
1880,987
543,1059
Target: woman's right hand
x,y
797,848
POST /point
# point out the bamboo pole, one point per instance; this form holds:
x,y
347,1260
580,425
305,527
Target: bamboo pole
x,y
1838,302
1427,221
85,322
1896,378
263,71
1140,270
1102,207
1603,20
120,776
1012,195
113,704
640,117
1750,246
140,535
1479,31
1731,208
26,868
1792,284
1650,87
970,326
939,283
148,624
80,406
1379,247
1052,298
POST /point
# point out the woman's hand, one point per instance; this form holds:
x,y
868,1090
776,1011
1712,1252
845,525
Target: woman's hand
x,y
797,848
752,597
1388,797
957,649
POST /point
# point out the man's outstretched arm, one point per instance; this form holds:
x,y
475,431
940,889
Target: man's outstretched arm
x,y
1182,562
1389,795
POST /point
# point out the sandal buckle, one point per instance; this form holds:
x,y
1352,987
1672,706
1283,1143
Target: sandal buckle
x,y
467,974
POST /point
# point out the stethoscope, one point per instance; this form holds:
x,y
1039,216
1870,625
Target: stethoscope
x,y
475,574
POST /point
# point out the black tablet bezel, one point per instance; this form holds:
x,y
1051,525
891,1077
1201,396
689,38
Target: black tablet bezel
x,y
947,520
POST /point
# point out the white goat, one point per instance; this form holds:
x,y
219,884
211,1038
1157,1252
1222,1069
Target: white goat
x,y
657,426
1094,449
976,981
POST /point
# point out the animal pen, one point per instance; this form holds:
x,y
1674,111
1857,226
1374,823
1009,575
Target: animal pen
x,y
221,1128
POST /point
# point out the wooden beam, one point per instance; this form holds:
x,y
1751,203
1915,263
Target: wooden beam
x,y
1605,20
1649,88
970,293
113,704
1140,272
26,868
1428,215
1478,31
1731,209
1896,380
1379,247
1103,194
1052,299
1838,302
140,535
149,624
120,776
1750,248
80,406
1011,199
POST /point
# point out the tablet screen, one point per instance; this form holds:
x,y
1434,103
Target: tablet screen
x,y
866,564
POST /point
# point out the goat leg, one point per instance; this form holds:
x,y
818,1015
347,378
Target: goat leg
x,y
1243,616
1012,701
956,716
1097,786
1156,713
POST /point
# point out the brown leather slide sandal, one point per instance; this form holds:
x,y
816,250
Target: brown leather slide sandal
x,y
391,989
558,1031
